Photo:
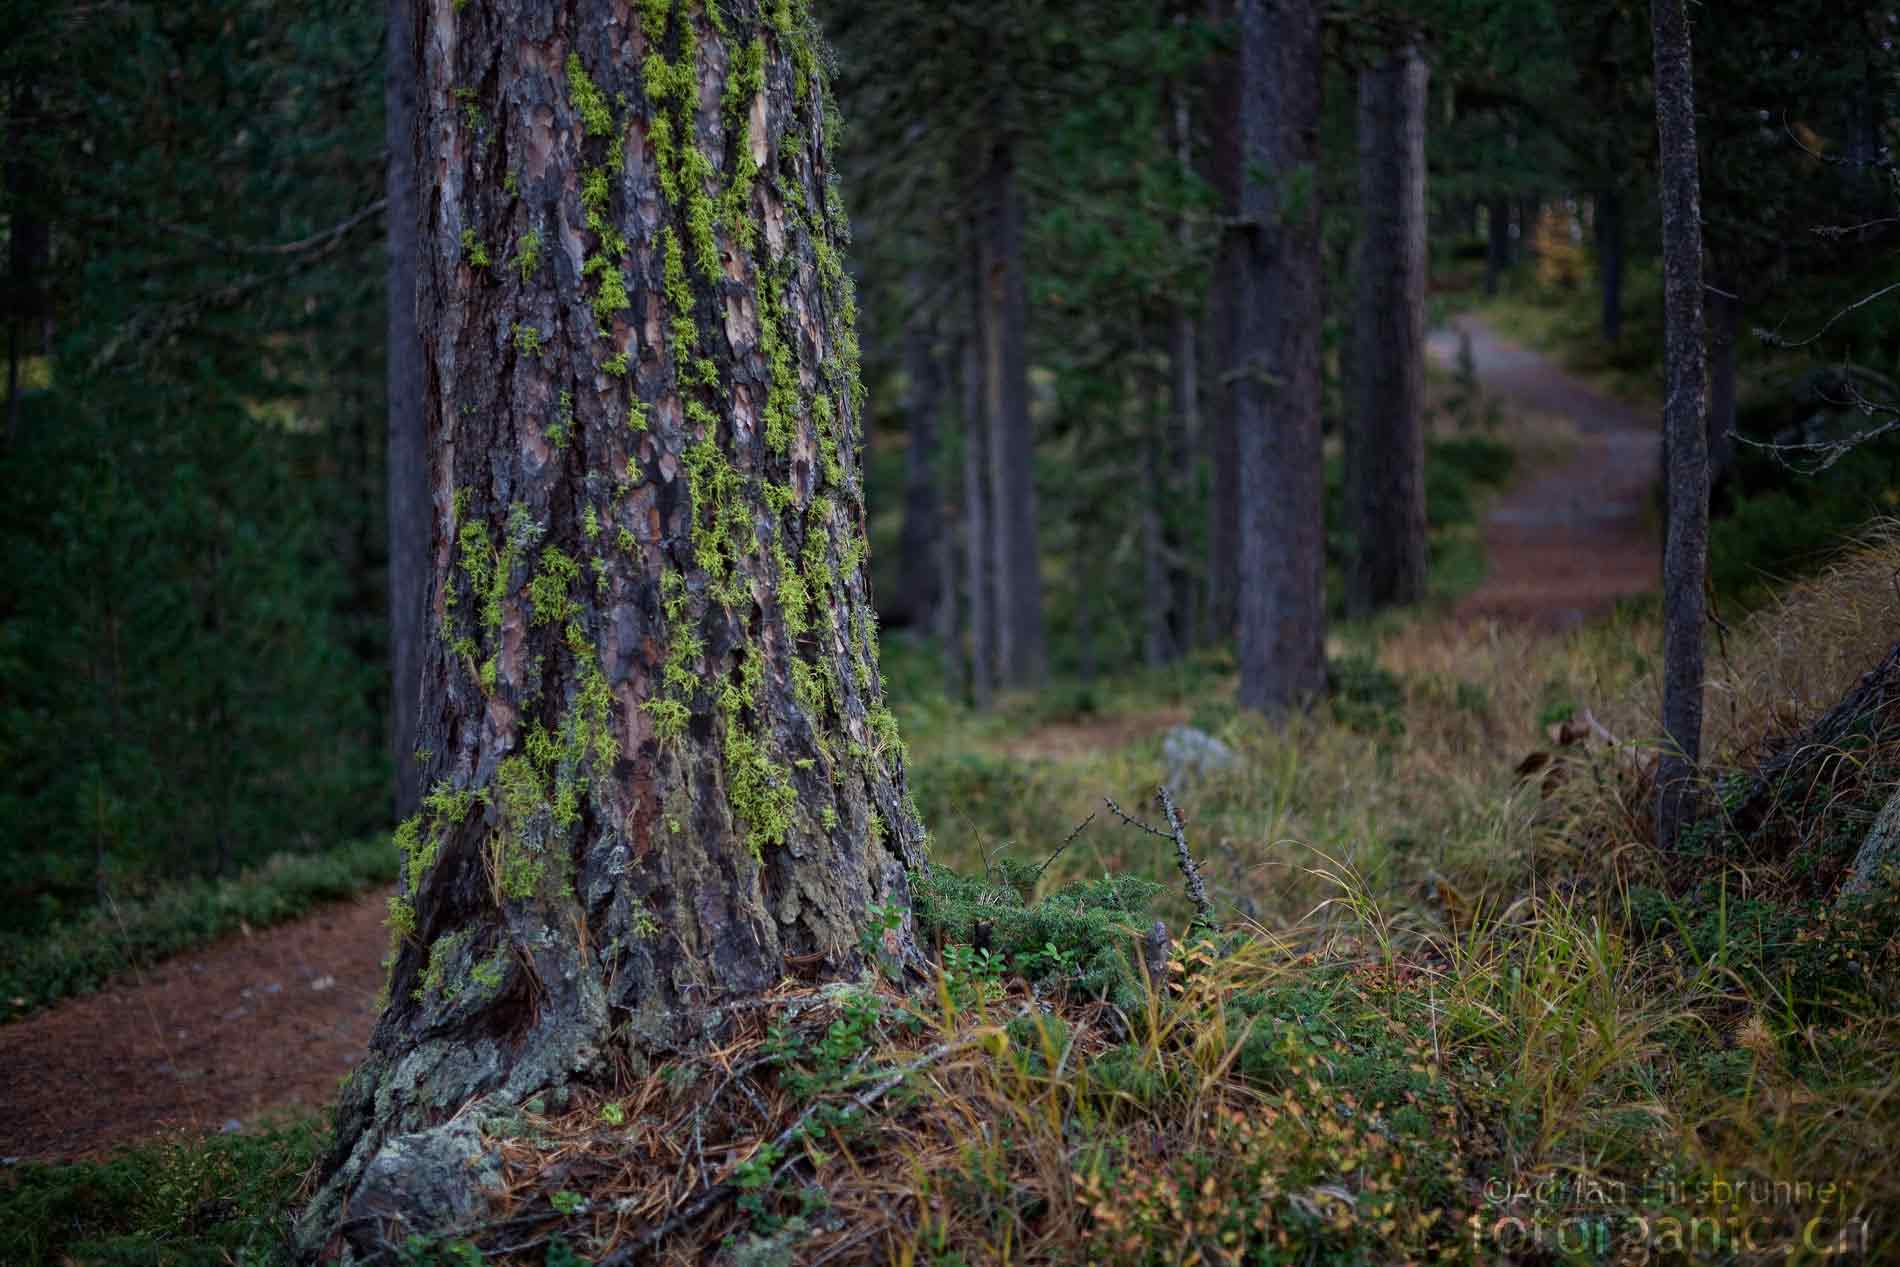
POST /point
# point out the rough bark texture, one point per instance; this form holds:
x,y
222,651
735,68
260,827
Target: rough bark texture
x,y
1020,655
1281,607
1609,228
1685,549
923,521
657,756
1388,378
407,464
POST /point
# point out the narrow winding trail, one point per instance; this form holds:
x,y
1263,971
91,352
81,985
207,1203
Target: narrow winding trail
x,y
224,1034
264,1021
1565,541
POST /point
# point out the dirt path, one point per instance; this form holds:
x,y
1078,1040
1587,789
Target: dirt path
x,y
1565,541
209,1038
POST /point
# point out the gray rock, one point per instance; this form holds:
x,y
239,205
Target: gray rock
x,y
1880,850
430,1183
1190,753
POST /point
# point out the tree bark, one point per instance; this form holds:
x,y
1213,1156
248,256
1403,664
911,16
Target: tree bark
x,y
406,467
1020,653
979,544
1609,228
917,547
1685,548
1388,467
1281,600
658,759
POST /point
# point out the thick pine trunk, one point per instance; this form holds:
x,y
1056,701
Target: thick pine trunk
x,y
1685,550
1020,657
1388,379
657,757
406,467
1281,598
917,546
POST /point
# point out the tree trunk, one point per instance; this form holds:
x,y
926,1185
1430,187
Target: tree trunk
x,y
1685,551
1388,465
1609,228
658,758
1020,656
1157,609
1281,601
1223,314
923,523
1497,255
406,471
1185,382
979,543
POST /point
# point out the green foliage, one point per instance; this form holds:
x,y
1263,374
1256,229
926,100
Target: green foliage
x,y
221,1199
1080,938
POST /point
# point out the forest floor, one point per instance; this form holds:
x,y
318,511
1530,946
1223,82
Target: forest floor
x,y
265,1023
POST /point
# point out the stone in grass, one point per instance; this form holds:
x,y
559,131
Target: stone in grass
x,y
428,1183
1190,753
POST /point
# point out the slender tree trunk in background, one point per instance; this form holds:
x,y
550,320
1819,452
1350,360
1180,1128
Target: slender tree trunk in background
x,y
923,521
1157,640
1497,255
949,626
1610,261
1724,315
1685,551
29,243
1020,655
1185,383
407,467
1223,314
978,543
659,758
1282,599
1387,496
1530,209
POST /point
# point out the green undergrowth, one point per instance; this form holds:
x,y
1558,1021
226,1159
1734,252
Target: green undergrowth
x,y
79,957
1443,999
223,1199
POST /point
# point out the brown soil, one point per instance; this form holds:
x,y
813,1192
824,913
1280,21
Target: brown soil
x,y
265,1021
1566,541
261,1021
